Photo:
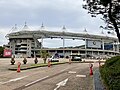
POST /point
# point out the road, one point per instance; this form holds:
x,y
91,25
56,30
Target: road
x,y
73,76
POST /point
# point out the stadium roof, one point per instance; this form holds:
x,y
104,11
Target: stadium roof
x,y
53,34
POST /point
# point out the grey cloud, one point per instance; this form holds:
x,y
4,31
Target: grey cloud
x,y
35,11
53,13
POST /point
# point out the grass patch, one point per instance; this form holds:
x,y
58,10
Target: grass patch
x,y
30,66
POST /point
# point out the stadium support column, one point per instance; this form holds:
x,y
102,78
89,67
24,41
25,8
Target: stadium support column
x,y
63,46
71,52
85,43
103,44
35,44
64,29
34,48
114,46
117,46
41,45
85,48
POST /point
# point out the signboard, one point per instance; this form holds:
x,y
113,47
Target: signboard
x,y
93,43
7,53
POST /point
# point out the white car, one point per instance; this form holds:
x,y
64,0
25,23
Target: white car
x,y
76,58
52,59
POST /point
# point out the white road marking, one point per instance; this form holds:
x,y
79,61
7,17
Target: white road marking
x,y
72,72
62,83
13,80
16,79
36,81
80,75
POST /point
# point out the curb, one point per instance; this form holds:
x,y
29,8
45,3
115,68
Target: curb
x,y
31,67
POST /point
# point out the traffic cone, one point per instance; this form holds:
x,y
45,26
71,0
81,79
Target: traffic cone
x,y
18,69
49,64
91,71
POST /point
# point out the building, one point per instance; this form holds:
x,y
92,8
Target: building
x,y
25,43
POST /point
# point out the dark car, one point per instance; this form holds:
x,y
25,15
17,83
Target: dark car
x,y
76,58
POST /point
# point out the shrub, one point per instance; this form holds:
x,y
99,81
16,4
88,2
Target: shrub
x,y
110,72
44,54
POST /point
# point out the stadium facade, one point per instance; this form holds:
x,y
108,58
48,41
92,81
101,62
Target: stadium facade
x,y
25,43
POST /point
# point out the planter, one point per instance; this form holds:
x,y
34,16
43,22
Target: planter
x,y
36,60
25,61
12,61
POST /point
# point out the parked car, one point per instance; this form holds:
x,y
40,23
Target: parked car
x,y
53,59
75,57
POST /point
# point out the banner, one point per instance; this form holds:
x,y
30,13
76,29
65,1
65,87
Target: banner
x,y
93,44
7,53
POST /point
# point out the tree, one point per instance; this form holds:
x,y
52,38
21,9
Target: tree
x,y
109,9
44,54
1,51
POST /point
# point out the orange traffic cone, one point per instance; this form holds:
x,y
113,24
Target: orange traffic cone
x,y
18,69
91,71
49,64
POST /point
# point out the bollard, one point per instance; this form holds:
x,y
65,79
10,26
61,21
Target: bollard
x,y
91,71
18,69
49,64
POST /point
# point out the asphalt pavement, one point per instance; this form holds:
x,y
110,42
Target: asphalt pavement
x,y
74,76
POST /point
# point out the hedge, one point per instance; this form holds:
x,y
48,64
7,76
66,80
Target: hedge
x,y
110,73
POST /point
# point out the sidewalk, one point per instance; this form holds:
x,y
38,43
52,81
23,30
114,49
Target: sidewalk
x,y
97,81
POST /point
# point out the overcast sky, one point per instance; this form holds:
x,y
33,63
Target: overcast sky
x,y
53,13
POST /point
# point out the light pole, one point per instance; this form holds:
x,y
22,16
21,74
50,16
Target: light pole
x,y
63,40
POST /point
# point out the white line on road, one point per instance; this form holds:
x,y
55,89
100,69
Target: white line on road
x,y
36,81
13,80
62,83
72,72
80,75
16,79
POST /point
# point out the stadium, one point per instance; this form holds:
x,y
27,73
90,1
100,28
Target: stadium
x,y
25,43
